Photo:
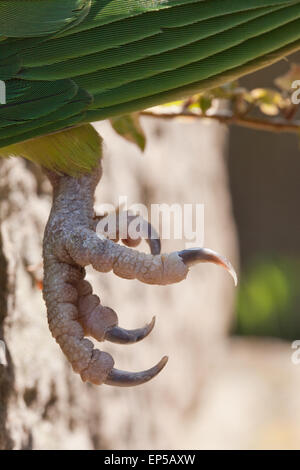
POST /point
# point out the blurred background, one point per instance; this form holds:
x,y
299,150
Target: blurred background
x,y
264,181
230,382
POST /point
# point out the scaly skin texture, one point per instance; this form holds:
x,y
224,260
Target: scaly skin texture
x,y
70,244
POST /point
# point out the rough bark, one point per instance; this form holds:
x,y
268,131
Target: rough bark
x,y
43,404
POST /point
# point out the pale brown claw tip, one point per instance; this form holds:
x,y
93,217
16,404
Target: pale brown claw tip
x,y
122,336
120,378
205,255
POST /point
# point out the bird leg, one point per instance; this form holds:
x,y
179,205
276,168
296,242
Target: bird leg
x,y
74,312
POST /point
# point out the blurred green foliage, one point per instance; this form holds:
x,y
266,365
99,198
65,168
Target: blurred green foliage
x,y
268,301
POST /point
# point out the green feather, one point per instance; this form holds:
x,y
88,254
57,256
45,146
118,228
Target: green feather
x,y
132,29
165,40
175,59
9,67
31,100
27,18
73,151
75,107
195,87
69,62
105,12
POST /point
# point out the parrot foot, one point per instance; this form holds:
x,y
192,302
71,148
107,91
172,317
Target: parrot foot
x,y
72,242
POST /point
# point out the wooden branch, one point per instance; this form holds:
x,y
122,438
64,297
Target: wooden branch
x,y
273,125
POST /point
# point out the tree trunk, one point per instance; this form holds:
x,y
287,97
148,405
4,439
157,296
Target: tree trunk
x,y
43,404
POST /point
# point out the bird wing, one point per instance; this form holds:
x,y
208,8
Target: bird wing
x,y
21,19
91,60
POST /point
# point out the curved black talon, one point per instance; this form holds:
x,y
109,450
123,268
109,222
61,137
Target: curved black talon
x,y
120,378
122,336
155,245
152,238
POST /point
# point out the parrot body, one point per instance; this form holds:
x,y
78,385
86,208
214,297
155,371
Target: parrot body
x,y
71,62
67,63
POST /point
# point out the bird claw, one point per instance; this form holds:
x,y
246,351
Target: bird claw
x,y
120,378
205,255
119,335
70,244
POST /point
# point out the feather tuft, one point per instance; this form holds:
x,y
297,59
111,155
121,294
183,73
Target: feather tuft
x,y
73,151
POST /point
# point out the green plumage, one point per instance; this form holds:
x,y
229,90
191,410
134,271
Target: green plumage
x,y
77,61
